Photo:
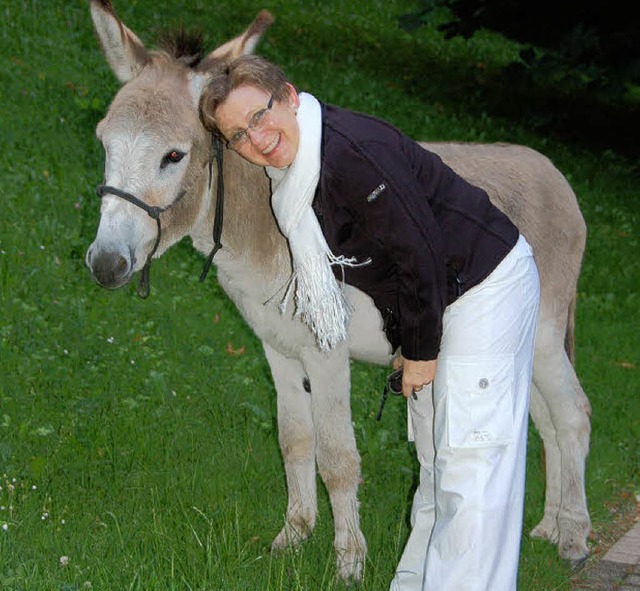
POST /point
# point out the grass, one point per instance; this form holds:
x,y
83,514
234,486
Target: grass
x,y
138,447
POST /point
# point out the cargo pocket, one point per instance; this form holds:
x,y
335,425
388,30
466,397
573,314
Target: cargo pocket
x,y
480,401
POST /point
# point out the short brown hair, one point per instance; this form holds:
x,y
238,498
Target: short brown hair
x,y
248,70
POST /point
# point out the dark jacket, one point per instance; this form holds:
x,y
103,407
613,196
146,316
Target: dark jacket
x,y
430,235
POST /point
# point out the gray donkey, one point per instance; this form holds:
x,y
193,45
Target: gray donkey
x,y
161,184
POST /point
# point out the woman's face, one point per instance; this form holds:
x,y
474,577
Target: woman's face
x,y
269,138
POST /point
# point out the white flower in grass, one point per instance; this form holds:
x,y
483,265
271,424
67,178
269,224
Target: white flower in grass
x,y
45,516
5,526
110,340
64,561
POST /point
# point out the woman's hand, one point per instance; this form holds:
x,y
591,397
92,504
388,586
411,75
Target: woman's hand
x,y
416,374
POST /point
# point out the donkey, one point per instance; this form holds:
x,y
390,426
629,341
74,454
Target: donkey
x,y
160,185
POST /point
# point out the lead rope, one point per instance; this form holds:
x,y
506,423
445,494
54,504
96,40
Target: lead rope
x,y
217,148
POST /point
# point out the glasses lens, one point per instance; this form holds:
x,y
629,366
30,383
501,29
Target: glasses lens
x,y
259,120
256,123
238,139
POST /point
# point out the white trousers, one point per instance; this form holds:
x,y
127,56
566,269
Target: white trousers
x,y
470,432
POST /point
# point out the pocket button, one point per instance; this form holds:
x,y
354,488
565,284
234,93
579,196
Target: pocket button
x,y
483,383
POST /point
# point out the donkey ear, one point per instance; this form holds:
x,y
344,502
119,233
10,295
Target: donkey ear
x,y
124,51
246,43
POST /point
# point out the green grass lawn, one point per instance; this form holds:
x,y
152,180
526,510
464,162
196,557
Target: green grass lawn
x,y
138,446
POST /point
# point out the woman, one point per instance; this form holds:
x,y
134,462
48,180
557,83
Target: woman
x,y
454,281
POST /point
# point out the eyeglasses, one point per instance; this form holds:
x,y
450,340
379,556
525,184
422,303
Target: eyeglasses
x,y
393,385
256,123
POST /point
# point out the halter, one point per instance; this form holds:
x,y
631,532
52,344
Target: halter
x,y
154,212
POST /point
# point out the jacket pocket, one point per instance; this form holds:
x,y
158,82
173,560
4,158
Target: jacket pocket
x,y
480,401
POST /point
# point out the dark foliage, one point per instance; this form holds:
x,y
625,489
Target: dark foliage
x,y
580,61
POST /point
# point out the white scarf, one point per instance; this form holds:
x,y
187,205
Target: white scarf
x,y
319,300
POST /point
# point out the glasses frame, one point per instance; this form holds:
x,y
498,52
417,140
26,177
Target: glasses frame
x,y
239,138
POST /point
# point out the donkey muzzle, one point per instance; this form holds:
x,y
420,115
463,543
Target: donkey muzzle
x,y
110,269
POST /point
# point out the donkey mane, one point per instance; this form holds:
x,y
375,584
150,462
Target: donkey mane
x,y
186,46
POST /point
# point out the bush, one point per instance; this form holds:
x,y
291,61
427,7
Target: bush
x,y
581,55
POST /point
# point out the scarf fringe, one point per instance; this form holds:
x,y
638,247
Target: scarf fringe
x,y
320,301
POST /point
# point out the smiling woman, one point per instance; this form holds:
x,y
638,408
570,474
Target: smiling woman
x,y
255,111
264,135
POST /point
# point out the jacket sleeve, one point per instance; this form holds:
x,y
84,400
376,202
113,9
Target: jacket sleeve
x,y
378,183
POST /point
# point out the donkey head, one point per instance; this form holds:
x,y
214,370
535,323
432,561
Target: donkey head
x,y
157,152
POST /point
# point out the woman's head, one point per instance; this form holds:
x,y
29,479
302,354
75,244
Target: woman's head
x,y
252,106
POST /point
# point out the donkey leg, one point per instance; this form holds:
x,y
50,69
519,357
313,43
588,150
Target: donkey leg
x,y
337,455
548,527
297,443
569,411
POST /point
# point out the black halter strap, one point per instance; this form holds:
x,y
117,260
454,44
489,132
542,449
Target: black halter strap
x,y
217,149
154,212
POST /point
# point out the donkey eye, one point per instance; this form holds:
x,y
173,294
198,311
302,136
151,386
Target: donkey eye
x,y
172,157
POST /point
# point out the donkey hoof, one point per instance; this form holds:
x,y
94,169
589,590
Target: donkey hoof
x,y
575,551
290,537
350,561
349,568
578,565
573,540
547,529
